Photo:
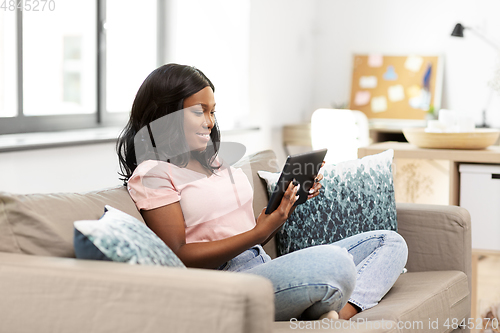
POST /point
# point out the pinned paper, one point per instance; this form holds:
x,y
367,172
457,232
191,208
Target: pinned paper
x,y
390,74
368,82
375,60
362,98
422,101
413,63
413,91
396,93
379,104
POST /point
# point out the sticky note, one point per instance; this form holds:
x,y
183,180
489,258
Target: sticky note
x,y
421,101
415,102
379,104
362,98
413,91
390,74
413,63
368,82
396,93
375,60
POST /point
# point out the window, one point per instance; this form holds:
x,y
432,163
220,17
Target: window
x,y
8,91
58,59
75,65
80,64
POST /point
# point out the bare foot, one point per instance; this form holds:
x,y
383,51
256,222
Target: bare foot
x,y
348,311
330,315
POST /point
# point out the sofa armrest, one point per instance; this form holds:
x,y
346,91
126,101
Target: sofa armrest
x,y
438,237
49,294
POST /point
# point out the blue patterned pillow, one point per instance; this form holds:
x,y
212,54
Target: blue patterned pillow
x,y
356,196
117,236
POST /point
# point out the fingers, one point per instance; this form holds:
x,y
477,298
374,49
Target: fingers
x,y
318,178
314,191
289,198
292,190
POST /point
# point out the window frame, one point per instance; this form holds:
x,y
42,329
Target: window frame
x,y
101,118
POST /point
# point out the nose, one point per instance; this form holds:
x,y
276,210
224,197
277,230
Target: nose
x,y
209,121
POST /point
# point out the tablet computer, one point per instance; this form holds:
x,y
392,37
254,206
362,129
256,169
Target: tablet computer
x,y
301,167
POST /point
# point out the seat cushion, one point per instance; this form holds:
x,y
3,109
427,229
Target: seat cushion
x,y
416,301
337,326
426,297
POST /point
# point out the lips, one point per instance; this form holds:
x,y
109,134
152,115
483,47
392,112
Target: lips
x,y
204,136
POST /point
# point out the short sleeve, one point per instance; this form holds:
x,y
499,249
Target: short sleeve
x,y
151,186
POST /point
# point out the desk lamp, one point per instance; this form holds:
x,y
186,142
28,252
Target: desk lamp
x,y
458,31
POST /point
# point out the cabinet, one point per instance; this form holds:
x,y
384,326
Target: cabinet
x,y
480,195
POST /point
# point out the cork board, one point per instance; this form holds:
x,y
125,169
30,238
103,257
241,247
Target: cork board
x,y
396,87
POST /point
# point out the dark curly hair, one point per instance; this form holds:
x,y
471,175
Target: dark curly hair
x,y
163,93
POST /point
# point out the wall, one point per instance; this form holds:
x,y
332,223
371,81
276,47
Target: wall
x,y
65,169
299,60
405,27
281,65
301,51
214,37
78,168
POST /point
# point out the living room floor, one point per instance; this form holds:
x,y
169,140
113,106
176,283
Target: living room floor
x,y
488,289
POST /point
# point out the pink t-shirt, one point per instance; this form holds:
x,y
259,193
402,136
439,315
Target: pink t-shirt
x,y
214,207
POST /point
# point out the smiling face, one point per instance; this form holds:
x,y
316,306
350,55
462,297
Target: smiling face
x,y
199,118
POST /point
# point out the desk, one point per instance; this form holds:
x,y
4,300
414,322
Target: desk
x,y
455,157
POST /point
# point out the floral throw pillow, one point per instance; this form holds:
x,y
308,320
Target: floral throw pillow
x,y
117,236
356,196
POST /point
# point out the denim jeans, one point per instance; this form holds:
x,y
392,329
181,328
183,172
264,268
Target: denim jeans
x,y
310,282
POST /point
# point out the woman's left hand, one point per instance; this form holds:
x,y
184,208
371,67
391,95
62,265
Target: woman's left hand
x,y
314,191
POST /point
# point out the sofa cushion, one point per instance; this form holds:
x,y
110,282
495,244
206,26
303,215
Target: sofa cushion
x,y
117,236
357,196
337,326
42,224
426,297
416,300
251,164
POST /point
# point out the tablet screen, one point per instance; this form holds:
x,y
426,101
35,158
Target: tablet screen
x,y
303,168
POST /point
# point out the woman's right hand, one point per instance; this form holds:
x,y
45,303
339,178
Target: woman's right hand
x,y
267,224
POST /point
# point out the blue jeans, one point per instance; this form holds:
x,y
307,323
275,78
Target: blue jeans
x,y
310,282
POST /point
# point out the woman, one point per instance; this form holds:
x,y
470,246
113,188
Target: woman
x,y
202,208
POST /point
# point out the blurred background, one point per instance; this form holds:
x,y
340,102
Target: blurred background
x,y
78,64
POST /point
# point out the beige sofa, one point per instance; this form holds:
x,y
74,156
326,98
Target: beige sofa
x,y
43,288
